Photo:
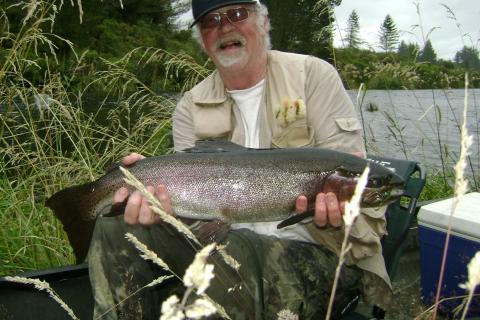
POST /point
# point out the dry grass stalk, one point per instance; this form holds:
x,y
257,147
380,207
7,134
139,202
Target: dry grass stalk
x,y
461,187
473,281
44,286
286,315
157,207
155,282
199,274
428,313
352,210
197,278
146,253
229,260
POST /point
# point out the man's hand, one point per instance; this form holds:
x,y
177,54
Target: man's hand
x,y
328,210
138,209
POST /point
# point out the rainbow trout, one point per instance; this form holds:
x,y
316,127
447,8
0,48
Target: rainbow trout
x,y
231,184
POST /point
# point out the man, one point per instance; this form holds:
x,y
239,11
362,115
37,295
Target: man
x,y
258,98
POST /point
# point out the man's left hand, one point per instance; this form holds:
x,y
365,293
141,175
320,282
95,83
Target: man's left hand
x,y
328,210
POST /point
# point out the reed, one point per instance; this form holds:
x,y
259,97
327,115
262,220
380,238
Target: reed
x,y
50,136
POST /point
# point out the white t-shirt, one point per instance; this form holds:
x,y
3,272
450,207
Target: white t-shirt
x,y
248,102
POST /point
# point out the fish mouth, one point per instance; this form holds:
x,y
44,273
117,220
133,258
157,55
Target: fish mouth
x,y
376,197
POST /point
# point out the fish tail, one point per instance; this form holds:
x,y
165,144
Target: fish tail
x,y
73,208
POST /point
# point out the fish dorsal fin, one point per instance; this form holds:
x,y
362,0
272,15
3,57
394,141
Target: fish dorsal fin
x,y
214,145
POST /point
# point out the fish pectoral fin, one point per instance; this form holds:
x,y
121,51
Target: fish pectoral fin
x,y
213,231
296,218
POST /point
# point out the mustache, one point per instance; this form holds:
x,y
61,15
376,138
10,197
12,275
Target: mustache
x,y
230,38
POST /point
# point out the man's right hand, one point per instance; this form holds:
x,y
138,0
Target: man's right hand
x,y
138,209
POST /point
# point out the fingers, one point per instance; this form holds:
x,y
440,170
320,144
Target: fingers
x,y
321,211
131,159
132,209
333,208
301,204
146,216
138,208
164,198
120,195
328,210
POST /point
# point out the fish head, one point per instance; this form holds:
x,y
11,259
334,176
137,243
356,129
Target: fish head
x,y
383,187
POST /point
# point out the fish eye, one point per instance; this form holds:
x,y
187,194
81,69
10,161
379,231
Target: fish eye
x,y
374,182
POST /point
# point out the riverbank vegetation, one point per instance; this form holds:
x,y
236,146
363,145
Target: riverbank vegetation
x,y
75,98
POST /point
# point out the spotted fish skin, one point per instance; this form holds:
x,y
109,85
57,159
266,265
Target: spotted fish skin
x,y
237,185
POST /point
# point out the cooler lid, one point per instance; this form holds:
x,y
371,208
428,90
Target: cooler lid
x,y
465,220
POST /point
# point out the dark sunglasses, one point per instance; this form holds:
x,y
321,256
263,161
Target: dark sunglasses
x,y
214,19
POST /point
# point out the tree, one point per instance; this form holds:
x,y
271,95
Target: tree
x,y
468,57
353,30
408,51
302,26
428,53
388,34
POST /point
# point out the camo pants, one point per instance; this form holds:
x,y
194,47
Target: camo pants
x,y
275,274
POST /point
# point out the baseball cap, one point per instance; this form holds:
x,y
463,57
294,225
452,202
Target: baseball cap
x,y
202,7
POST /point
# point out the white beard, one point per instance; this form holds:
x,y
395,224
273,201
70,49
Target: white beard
x,y
228,60
231,58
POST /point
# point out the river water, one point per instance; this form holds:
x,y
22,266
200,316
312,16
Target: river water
x,y
422,125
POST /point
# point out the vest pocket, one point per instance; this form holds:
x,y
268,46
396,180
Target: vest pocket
x,y
294,137
348,123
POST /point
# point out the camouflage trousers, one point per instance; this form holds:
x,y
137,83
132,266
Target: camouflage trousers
x,y
275,274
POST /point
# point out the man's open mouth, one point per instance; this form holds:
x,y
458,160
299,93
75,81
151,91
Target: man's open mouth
x,y
231,43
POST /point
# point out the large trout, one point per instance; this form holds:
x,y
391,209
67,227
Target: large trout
x,y
231,184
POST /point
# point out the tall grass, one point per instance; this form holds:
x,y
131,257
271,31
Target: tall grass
x,y
49,140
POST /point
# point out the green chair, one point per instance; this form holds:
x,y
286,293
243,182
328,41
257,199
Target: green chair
x,y
400,216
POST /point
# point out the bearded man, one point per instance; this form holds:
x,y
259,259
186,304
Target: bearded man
x,y
249,100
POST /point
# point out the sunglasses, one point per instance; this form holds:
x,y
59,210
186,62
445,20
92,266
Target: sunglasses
x,y
214,19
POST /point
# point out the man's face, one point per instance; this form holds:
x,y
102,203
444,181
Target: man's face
x,y
233,45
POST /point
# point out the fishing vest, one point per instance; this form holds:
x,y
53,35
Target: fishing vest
x,y
282,116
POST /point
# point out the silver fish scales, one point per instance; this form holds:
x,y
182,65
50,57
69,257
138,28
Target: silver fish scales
x,y
231,184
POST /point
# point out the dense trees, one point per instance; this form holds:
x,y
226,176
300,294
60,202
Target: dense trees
x,y
408,51
302,26
111,28
468,57
428,53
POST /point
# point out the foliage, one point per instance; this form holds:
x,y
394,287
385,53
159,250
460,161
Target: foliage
x,y
302,26
468,57
408,52
388,35
395,71
64,124
428,53
69,109
353,29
